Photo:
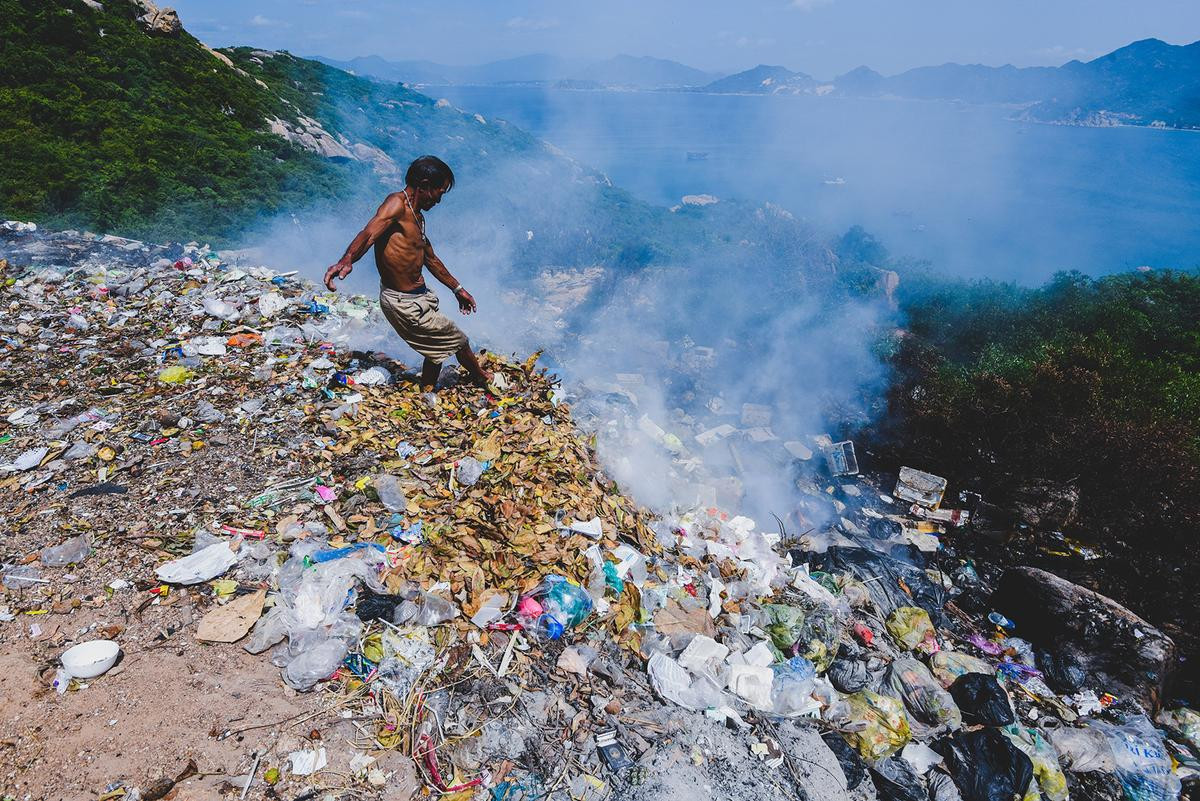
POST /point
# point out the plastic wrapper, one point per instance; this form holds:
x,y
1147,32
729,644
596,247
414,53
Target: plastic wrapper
x,y
986,766
911,627
389,492
1083,750
946,666
810,631
673,683
553,607
425,609
942,787
882,576
468,471
876,726
982,700
69,552
1049,775
931,710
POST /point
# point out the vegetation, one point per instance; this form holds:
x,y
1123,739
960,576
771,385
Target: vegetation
x,y
1089,382
109,127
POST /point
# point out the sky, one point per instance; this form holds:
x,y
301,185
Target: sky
x,y
821,37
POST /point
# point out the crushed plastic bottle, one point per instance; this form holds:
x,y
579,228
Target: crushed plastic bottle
x,y
553,607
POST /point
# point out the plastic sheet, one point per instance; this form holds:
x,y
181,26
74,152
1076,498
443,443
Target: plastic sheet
x,y
896,780
1144,767
882,576
203,565
931,710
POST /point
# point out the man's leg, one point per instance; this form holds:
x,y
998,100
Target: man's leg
x,y
430,371
466,357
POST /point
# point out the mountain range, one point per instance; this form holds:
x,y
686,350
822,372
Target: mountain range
x,y
1149,82
619,72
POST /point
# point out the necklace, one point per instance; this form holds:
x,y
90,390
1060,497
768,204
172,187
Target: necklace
x,y
420,219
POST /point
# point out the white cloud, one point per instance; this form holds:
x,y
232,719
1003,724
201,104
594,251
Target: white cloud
x,y
809,5
259,21
531,24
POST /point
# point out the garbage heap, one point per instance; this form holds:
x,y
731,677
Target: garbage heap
x,y
455,570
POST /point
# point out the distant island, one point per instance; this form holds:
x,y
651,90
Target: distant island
x,y
1147,83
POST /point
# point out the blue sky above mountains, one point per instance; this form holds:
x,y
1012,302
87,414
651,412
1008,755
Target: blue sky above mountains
x,y
821,37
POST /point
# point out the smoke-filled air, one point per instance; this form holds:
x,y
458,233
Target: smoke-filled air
x,y
788,399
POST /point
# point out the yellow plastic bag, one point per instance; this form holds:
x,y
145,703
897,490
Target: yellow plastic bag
x,y
911,627
174,374
946,666
880,722
1046,771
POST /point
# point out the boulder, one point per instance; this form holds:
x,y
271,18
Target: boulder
x,y
162,21
1118,651
1047,505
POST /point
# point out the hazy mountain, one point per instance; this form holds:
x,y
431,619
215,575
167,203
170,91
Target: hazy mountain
x,y
642,72
763,79
1145,83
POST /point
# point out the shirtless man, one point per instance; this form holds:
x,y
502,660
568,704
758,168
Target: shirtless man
x,y
401,251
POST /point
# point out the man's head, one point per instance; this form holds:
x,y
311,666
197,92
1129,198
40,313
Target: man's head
x,y
432,178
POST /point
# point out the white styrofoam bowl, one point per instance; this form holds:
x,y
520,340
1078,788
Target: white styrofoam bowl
x,y
90,659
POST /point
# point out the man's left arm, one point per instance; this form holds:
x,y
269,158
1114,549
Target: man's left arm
x,y
466,303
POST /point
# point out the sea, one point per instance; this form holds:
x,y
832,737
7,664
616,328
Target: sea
x,y
966,188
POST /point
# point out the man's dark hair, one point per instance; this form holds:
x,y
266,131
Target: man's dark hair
x,y
429,172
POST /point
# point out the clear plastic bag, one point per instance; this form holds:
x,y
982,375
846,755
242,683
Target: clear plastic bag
x,y
553,607
1144,767
69,552
389,492
911,627
931,710
425,609
874,724
946,666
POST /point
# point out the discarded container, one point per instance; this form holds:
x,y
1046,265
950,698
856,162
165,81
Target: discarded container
x,y
840,459
919,487
553,607
90,659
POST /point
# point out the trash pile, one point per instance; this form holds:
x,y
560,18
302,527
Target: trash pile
x,y
455,576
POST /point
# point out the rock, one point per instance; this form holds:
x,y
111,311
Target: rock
x,y
1046,505
1118,651
163,21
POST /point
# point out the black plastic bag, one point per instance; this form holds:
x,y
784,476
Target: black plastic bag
x,y
982,700
1061,672
986,766
852,764
376,606
883,576
896,780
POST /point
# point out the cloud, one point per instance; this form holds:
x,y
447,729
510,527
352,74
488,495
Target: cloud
x,y
809,5
259,21
531,23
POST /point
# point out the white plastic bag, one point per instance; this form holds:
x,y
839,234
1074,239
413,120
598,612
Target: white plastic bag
x,y
197,567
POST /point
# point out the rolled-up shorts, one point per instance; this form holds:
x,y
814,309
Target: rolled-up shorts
x,y
416,318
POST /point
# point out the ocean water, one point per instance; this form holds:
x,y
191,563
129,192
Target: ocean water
x,y
964,187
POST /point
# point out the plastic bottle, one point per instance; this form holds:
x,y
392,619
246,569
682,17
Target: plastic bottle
x,y
553,607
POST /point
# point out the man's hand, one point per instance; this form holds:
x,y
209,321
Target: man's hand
x,y
466,303
339,270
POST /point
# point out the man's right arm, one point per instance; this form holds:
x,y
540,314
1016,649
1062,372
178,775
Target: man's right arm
x,y
391,209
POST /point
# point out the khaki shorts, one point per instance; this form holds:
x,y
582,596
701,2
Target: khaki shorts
x,y
419,323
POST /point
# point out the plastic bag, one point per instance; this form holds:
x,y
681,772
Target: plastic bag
x,y
390,494
911,627
315,663
673,683
849,675
853,767
896,780
1144,767
425,609
985,765
792,690
946,666
69,552
468,471
877,725
982,700
942,787
810,631
1041,753
202,565
1061,672
931,710
1183,721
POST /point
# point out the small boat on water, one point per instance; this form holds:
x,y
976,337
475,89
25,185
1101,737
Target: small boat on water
x,y
696,155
